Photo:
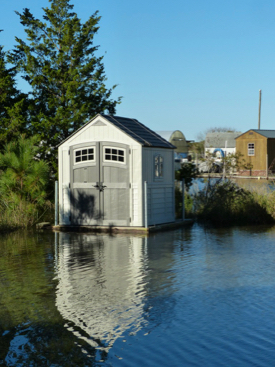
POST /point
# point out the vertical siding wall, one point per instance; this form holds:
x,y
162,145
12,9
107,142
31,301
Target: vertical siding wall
x,y
103,132
260,143
161,192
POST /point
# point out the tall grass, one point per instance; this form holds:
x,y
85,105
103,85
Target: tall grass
x,y
225,203
188,204
24,214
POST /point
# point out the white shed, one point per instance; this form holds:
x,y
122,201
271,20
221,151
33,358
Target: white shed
x,y
116,171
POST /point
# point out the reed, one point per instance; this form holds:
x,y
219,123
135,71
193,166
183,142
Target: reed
x,y
226,203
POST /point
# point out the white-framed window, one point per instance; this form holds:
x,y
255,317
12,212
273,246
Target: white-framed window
x,y
84,155
114,154
251,149
158,166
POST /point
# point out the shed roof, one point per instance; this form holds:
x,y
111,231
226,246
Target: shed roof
x,y
266,133
135,129
218,139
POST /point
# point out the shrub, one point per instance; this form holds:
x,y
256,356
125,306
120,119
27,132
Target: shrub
x,y
23,181
225,203
188,203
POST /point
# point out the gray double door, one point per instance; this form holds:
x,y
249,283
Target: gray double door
x,y
100,184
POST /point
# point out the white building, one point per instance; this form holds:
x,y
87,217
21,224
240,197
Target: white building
x,y
221,143
103,168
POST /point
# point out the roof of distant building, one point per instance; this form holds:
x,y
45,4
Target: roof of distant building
x,y
221,139
267,133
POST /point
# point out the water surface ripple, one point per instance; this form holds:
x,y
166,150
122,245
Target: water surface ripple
x,y
189,297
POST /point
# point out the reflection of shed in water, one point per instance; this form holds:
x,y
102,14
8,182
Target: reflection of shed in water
x,y
88,295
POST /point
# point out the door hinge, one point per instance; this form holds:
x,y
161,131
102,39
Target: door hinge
x,y
130,220
69,185
129,151
130,185
69,152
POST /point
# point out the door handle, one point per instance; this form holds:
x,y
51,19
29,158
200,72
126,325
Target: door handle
x,y
100,186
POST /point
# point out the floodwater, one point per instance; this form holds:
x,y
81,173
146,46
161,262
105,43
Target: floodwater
x,y
189,297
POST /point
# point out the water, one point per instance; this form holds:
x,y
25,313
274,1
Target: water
x,y
190,297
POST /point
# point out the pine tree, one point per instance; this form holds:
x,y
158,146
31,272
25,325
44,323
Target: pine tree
x,y
66,77
13,104
23,181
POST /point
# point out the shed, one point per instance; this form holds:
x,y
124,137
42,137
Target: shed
x,y
258,150
116,171
221,143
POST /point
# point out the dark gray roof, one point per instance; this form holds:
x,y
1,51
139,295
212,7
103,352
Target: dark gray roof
x,y
135,129
139,132
218,139
266,133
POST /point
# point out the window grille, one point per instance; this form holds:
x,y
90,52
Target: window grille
x,y
83,155
115,155
158,166
250,149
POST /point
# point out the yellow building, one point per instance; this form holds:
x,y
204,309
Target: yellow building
x,y
258,150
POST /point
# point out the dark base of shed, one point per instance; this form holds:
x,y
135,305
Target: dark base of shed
x,y
130,230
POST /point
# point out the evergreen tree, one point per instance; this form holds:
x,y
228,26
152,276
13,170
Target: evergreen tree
x,y
66,77
13,104
23,181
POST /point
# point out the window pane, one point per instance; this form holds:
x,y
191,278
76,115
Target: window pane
x,y
160,169
107,150
90,151
121,152
114,158
84,151
78,153
158,166
107,157
78,159
121,159
90,157
84,158
114,151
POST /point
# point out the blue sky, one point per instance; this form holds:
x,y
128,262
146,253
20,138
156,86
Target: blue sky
x,y
179,65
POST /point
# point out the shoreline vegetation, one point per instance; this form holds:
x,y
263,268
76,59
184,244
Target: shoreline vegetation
x,y
220,202
223,202
27,198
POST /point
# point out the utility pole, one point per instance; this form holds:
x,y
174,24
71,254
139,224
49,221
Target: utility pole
x,y
259,116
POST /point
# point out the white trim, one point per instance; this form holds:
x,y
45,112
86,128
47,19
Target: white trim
x,y
115,154
250,150
80,149
158,176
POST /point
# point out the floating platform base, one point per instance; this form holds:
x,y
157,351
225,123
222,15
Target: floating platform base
x,y
130,230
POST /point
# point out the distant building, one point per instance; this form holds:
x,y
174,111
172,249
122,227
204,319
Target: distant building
x,y
258,150
177,138
221,143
